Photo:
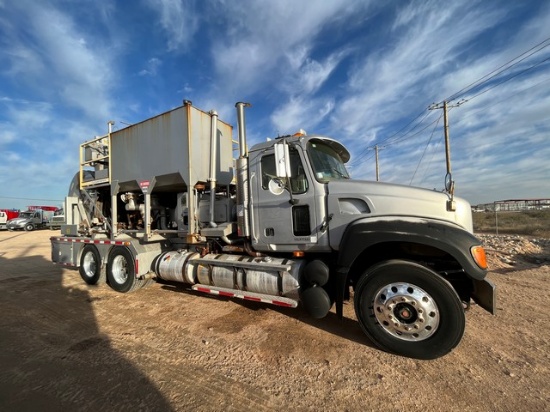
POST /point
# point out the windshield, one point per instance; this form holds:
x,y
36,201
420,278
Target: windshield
x,y
327,164
25,214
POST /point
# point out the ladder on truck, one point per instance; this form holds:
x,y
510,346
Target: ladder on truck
x,y
95,164
95,171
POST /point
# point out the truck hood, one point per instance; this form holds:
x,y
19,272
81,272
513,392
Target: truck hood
x,y
358,198
18,220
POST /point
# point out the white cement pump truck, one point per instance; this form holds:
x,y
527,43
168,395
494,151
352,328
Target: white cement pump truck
x,y
283,223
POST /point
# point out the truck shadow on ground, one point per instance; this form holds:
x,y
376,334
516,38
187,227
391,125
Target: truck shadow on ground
x,y
53,355
345,328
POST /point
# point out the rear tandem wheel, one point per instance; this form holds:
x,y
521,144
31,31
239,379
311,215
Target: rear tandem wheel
x,y
90,266
121,272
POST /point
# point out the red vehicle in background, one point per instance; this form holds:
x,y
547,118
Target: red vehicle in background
x,y
35,217
7,214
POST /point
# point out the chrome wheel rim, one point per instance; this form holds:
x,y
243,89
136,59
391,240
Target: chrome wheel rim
x,y
119,270
89,265
406,311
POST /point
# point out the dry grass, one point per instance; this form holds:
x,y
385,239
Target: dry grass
x,y
529,223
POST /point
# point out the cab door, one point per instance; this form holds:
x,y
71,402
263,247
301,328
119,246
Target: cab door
x,y
284,213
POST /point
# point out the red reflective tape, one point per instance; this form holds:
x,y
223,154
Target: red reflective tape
x,y
89,241
227,294
203,290
279,303
252,298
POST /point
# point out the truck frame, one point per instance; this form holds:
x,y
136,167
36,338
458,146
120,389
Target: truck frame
x,y
283,223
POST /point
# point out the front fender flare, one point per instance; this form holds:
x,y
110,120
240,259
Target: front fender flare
x,y
364,233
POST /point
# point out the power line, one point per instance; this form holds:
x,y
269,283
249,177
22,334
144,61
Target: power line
x,y
408,134
387,141
434,151
27,198
404,127
361,159
497,71
426,148
506,99
505,80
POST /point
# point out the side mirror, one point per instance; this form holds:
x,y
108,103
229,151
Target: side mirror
x,y
282,170
282,160
449,184
276,186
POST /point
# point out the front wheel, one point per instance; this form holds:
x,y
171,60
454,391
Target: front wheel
x,y
29,227
408,309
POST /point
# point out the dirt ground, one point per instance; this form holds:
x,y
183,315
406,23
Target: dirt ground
x,y
68,346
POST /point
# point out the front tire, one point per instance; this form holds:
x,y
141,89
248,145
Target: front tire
x,y
29,227
407,309
90,266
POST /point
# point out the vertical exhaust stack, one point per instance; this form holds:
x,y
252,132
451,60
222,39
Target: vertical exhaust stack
x,y
213,165
243,194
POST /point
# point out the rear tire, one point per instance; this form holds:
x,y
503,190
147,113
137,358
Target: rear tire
x,y
90,266
409,310
121,274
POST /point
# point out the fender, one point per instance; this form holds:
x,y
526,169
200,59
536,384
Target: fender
x,y
364,233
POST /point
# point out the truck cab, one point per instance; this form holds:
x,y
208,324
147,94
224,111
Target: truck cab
x,y
304,201
311,200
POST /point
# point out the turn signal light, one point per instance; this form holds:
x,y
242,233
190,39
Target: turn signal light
x,y
478,253
298,254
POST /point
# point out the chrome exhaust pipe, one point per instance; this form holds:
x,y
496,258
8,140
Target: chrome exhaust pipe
x,y
243,194
213,161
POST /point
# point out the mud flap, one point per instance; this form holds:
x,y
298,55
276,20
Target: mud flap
x,y
485,295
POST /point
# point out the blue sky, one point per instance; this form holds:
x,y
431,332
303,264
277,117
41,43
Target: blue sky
x,y
364,72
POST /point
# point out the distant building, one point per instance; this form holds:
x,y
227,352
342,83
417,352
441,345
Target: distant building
x,y
513,205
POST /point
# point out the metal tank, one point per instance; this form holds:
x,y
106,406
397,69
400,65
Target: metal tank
x,y
171,152
264,275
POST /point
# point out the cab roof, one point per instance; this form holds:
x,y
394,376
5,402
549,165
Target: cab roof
x,y
302,140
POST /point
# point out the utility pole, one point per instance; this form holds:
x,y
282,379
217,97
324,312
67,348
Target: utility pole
x,y
449,183
376,150
447,139
377,168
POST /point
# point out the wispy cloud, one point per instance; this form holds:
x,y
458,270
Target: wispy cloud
x,y
300,113
408,71
51,48
151,68
257,47
178,19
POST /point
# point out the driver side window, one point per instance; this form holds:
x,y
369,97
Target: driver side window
x,y
268,170
298,180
